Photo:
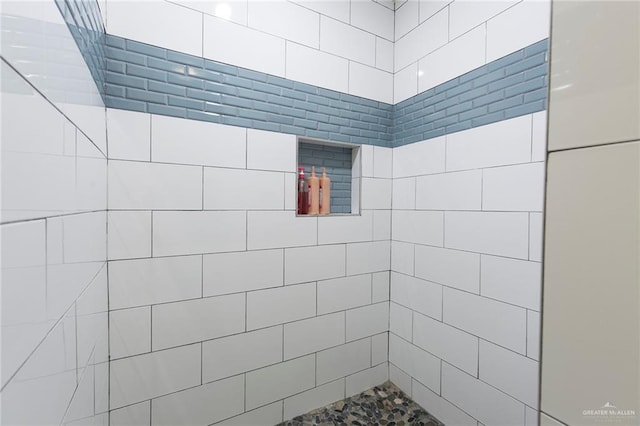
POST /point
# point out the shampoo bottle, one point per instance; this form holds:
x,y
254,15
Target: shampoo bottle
x,y
325,193
314,192
303,193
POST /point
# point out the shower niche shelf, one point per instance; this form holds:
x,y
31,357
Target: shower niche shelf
x,y
342,161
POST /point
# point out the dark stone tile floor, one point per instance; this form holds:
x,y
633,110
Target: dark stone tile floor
x,y
383,405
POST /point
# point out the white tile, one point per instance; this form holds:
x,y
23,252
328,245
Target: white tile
x,y
514,188
503,234
129,234
380,349
279,381
514,374
313,335
384,54
313,263
372,17
495,321
440,408
450,191
150,281
343,229
366,158
235,11
429,7
237,354
129,135
280,229
533,335
244,47
267,415
545,420
129,332
47,378
419,158
152,30
285,20
376,194
198,232
271,151
335,9
539,136
318,68
180,323
404,194
201,405
349,42
92,321
479,399
465,15
452,268
405,83
280,305
414,226
419,295
520,26
290,191
367,321
147,186
513,281
314,398
344,293
424,39
27,241
421,365
102,385
382,162
456,58
401,321
364,380
142,377
380,286
85,239
532,417
371,83
260,190
132,415
406,18
55,244
497,144
343,360
207,144
368,257
47,185
91,183
402,257
450,344
535,236
400,379
381,225
225,273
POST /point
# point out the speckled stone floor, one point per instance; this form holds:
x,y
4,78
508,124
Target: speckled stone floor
x,y
382,405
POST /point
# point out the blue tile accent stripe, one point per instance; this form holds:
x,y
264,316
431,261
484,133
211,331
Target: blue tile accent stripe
x,y
508,87
84,20
337,161
146,78
149,79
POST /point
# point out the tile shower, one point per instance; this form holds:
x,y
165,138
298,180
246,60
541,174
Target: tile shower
x,y
138,287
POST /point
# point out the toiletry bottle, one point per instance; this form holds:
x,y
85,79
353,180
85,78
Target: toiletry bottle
x,y
302,202
325,193
314,192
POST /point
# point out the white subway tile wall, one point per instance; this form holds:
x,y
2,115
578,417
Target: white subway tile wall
x,y
224,281
53,226
466,288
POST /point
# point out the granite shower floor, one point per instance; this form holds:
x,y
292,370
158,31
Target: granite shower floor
x,y
382,405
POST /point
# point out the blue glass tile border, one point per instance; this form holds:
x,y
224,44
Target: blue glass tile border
x,y
145,78
84,21
508,87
